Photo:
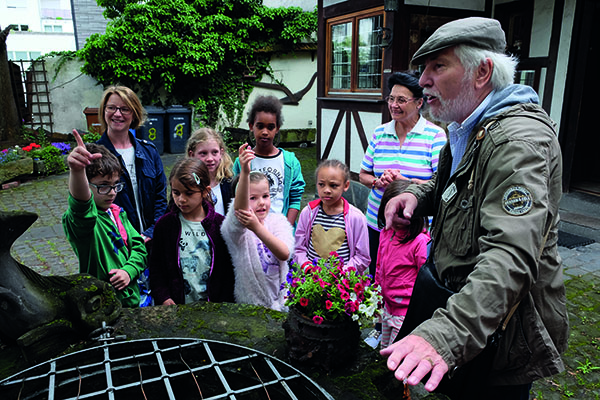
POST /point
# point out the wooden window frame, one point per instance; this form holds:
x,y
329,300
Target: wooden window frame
x,y
353,18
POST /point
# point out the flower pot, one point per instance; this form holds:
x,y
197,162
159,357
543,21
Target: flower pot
x,y
327,345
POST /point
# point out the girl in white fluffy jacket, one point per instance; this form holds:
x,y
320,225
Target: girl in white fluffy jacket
x,y
260,243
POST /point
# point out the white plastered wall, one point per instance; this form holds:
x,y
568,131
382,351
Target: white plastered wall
x,y
369,120
295,72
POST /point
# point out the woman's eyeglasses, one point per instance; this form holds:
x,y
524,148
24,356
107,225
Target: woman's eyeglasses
x,y
400,100
113,109
105,189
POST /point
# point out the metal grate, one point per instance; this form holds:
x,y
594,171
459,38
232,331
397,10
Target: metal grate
x,y
163,369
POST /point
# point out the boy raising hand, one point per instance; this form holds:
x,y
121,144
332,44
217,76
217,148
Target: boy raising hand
x,y
105,242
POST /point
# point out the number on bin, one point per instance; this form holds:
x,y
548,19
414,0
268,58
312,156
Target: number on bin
x,y
179,130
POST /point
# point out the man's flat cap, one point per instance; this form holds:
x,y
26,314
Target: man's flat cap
x,y
485,33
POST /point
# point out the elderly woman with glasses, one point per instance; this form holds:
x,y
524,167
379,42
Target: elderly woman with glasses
x,y
407,148
144,195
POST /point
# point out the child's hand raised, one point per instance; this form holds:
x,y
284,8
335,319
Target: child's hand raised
x,y
80,158
248,219
246,156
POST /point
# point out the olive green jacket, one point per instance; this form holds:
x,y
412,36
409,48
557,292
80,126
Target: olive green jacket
x,y
491,218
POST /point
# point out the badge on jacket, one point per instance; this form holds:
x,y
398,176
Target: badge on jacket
x,y
449,193
517,200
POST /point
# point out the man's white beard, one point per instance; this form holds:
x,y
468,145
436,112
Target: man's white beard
x,y
457,109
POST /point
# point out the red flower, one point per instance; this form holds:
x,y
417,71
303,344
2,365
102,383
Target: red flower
x,y
317,320
303,301
27,148
344,296
328,304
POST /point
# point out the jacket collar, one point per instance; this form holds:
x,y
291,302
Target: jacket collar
x,y
315,203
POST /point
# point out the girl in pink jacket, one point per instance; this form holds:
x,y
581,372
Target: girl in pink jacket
x,y
402,251
330,223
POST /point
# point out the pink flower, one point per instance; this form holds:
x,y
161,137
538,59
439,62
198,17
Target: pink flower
x,y
350,307
303,301
345,295
359,288
328,304
317,320
335,254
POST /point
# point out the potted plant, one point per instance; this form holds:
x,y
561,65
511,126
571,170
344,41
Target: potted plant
x,y
328,301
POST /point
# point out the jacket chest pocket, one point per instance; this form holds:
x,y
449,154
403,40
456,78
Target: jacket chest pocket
x,y
148,170
457,225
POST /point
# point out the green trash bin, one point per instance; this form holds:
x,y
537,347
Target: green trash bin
x,y
178,128
154,127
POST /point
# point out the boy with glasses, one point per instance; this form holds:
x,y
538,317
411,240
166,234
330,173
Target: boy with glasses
x,y
105,242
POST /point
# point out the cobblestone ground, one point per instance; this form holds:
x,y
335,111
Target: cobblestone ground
x,y
45,249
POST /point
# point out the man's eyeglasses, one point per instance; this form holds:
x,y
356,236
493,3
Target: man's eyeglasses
x,y
105,189
113,109
400,100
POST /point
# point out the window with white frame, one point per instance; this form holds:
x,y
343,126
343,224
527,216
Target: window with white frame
x,y
53,28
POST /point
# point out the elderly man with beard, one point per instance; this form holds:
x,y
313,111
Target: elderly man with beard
x,y
495,199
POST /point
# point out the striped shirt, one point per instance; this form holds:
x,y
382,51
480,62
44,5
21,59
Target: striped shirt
x,y
417,158
324,236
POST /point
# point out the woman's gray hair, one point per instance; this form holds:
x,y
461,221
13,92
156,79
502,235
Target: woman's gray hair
x,y
505,66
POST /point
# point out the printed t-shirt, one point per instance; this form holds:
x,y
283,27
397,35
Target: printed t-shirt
x,y
328,234
194,259
274,168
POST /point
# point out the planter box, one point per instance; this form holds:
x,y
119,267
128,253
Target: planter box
x,y
39,167
16,168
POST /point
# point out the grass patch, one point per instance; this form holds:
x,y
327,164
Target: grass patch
x,y
581,379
